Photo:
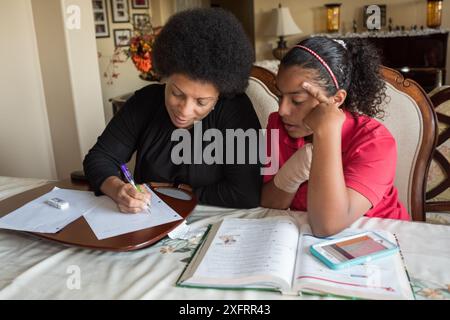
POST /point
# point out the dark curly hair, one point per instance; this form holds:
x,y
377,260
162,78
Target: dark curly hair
x,y
208,45
356,66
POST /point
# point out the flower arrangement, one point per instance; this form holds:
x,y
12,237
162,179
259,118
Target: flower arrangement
x,y
140,50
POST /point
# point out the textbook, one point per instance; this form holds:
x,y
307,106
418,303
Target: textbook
x,y
273,254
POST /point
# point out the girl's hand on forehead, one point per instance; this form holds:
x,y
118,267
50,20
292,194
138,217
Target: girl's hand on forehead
x,y
326,115
315,92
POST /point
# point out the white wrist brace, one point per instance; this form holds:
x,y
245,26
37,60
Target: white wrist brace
x,y
295,170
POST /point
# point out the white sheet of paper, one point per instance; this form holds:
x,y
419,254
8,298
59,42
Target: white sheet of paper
x,y
106,221
186,232
37,216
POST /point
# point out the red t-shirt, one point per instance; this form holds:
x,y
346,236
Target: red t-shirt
x,y
369,157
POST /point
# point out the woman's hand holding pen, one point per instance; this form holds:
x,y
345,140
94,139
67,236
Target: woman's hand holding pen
x,y
128,199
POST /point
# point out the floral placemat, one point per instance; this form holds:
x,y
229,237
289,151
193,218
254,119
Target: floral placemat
x,y
427,290
168,246
438,218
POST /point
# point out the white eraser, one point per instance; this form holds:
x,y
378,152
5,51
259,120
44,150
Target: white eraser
x,y
58,203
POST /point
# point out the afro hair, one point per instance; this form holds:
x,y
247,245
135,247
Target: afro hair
x,y
207,45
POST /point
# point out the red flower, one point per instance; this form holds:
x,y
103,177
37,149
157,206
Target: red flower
x,y
140,50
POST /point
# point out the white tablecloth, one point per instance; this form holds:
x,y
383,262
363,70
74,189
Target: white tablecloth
x,y
32,268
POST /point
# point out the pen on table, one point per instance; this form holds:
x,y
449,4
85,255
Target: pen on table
x,y
129,178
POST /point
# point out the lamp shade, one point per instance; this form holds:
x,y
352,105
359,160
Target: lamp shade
x,y
282,24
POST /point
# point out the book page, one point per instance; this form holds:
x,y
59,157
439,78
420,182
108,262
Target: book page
x,y
382,278
250,251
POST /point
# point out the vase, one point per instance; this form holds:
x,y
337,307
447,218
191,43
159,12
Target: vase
x,y
149,76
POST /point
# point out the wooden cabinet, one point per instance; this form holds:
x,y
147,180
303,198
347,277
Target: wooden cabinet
x,y
119,101
421,58
418,55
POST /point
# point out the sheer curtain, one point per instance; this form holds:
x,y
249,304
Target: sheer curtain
x,y
181,5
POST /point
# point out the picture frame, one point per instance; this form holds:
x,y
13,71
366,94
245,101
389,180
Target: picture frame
x,y
122,37
140,4
100,11
140,19
120,11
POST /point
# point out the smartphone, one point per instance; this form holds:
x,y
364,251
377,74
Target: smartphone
x,y
357,249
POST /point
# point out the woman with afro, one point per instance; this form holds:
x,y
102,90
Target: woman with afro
x,y
337,162
204,58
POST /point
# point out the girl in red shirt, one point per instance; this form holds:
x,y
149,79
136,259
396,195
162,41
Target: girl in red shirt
x,y
336,161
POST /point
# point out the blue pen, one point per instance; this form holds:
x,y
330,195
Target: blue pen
x,y
129,178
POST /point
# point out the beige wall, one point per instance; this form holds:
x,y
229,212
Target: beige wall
x,y
84,79
446,24
51,109
310,17
71,82
243,10
162,10
156,13
50,36
25,142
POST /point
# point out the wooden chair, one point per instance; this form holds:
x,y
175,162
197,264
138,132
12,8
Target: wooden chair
x,y
261,91
410,118
438,191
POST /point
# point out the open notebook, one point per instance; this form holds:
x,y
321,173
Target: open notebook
x,y
273,254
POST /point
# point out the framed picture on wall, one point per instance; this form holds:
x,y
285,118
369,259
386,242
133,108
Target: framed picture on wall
x,y
139,4
140,19
120,11
122,37
100,18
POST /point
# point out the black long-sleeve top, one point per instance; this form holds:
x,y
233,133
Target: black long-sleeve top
x,y
143,125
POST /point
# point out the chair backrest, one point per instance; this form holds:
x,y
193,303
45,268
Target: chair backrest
x,y
411,119
438,182
261,90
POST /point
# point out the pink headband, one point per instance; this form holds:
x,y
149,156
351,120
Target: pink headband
x,y
322,62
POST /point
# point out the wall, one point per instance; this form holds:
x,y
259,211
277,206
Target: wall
x,y
50,37
243,10
25,141
162,10
128,79
85,84
68,60
446,24
310,17
51,109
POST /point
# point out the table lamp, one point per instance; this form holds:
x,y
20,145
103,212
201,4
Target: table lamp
x,y
434,13
282,25
333,16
